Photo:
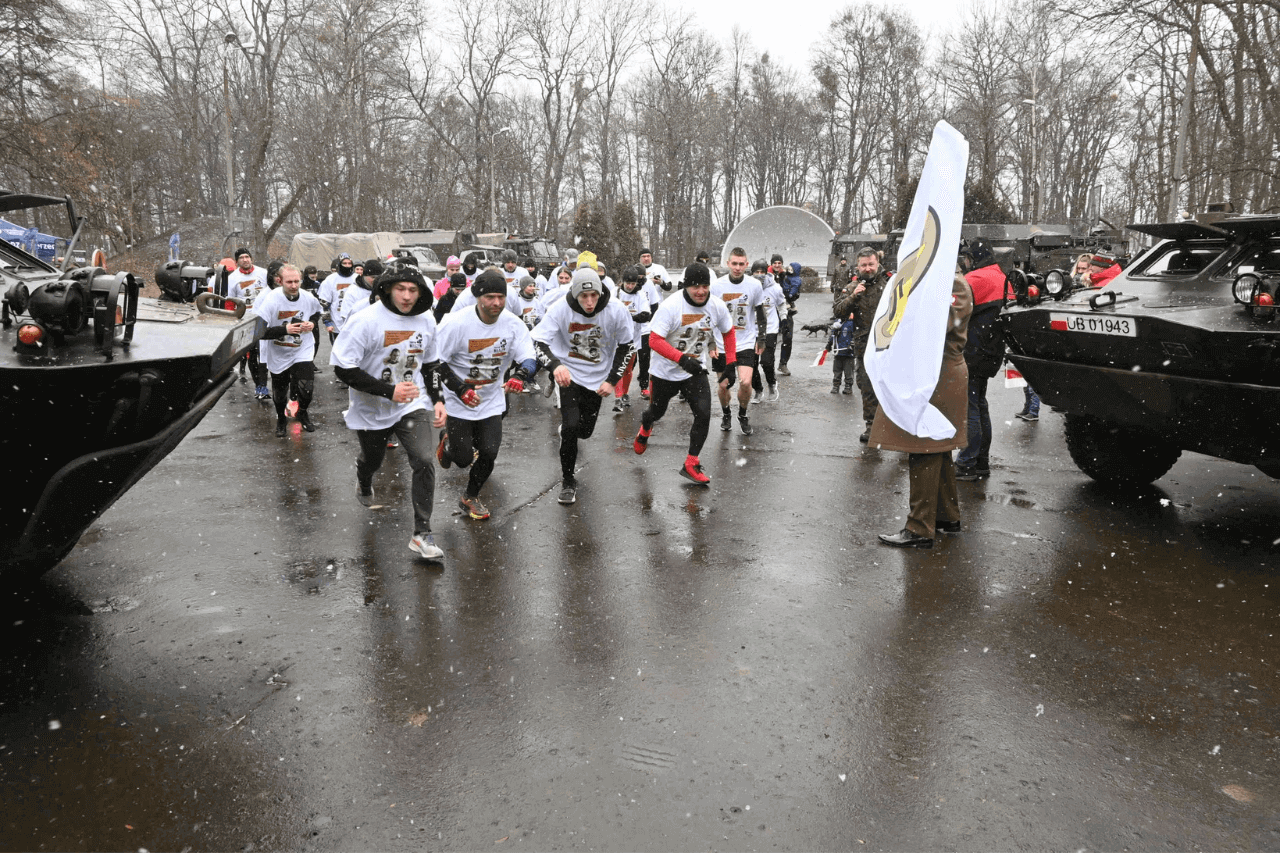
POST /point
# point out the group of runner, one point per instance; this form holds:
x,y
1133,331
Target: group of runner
x,y
414,356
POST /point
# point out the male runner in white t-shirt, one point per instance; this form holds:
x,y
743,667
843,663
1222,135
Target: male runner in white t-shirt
x,y
476,347
387,356
245,282
585,342
290,335
744,298
682,331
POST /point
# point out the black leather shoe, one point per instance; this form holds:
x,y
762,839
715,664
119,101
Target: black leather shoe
x,y
866,436
947,526
305,419
280,427
904,538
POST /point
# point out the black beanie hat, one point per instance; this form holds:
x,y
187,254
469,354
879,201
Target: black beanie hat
x,y
696,273
489,281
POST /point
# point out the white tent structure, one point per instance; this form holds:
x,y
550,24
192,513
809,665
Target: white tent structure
x,y
792,232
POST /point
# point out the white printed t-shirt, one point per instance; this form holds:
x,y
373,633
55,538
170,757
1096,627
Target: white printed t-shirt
x,y
351,299
585,344
247,286
741,299
479,354
276,309
391,347
689,328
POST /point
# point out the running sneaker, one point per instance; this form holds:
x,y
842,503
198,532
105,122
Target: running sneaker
x,y
280,427
694,473
773,394
726,422
617,406
364,494
551,386
744,425
424,545
644,392
641,444
442,450
266,393
304,418
474,508
531,386
758,396
1030,417
393,442
569,494
626,401
782,370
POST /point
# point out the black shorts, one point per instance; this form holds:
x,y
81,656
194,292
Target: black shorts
x,y
748,358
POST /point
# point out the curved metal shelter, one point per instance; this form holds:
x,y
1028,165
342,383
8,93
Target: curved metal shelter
x,y
792,232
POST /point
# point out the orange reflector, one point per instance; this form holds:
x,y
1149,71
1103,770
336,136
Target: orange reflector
x,y
30,335
119,316
229,305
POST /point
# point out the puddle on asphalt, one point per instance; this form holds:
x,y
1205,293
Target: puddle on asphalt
x,y
1015,501
313,575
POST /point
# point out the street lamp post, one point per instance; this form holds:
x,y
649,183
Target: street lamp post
x,y
229,39
493,198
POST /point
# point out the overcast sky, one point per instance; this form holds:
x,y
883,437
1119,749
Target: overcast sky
x,y
787,27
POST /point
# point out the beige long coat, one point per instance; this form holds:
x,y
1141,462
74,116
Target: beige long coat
x,y
951,396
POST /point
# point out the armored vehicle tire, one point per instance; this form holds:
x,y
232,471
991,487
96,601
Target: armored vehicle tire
x,y
1118,456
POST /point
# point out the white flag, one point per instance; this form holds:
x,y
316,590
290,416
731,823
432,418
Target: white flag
x,y
904,350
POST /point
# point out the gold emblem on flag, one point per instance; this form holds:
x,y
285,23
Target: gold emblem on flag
x,y
910,274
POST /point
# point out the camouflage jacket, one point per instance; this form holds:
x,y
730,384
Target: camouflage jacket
x,y
862,307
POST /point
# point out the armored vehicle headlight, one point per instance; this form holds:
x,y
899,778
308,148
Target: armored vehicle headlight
x,y
1245,287
1056,283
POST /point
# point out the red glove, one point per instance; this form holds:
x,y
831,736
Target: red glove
x,y
469,398
513,385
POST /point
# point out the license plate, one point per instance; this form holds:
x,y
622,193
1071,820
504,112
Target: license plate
x,y
243,337
1094,325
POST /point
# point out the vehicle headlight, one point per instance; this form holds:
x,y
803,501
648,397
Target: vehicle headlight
x,y
1245,287
1056,283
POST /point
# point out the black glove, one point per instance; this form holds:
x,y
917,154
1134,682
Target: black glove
x,y
642,316
730,375
692,366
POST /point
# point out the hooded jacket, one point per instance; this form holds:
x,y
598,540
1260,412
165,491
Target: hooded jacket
x,y
791,285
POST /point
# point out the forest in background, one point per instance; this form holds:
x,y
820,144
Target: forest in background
x,y
533,115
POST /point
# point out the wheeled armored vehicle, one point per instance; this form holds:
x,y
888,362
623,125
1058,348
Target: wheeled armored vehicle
x,y
1178,353
97,385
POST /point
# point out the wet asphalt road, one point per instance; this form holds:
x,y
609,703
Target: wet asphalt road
x,y
239,656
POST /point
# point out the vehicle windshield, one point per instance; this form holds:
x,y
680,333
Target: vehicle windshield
x,y
1264,260
1178,260
12,258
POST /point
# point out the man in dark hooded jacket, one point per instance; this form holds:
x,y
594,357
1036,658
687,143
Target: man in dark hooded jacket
x,y
983,353
387,355
584,341
789,279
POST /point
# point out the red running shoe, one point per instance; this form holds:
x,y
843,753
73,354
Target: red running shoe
x,y
641,444
692,471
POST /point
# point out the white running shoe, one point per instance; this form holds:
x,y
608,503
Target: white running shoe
x,y
425,547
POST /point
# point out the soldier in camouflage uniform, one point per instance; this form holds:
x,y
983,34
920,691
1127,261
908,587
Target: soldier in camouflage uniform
x,y
859,300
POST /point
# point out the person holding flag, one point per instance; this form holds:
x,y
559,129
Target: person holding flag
x,y
915,350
